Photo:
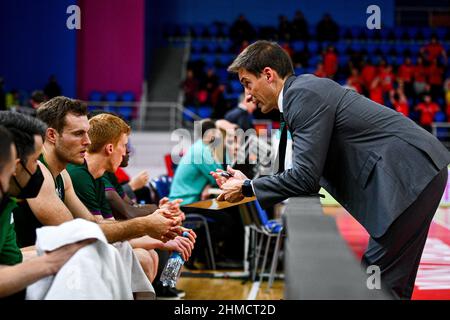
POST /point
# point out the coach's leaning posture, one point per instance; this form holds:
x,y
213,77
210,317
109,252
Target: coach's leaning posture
x,y
384,169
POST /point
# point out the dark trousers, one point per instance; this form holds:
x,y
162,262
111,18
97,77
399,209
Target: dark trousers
x,y
397,253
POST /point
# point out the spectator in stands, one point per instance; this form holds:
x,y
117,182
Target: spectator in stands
x,y
242,114
387,80
320,71
376,91
427,110
241,29
218,102
287,48
400,103
420,77
16,274
368,74
37,97
12,100
406,75
434,50
435,79
52,88
244,44
330,62
190,87
284,28
327,29
209,84
2,96
299,27
354,81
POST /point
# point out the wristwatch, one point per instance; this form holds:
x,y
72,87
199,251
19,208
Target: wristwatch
x,y
247,190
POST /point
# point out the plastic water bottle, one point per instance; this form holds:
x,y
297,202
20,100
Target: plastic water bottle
x,y
172,270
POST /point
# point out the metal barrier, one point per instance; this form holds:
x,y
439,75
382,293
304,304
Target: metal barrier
x,y
175,110
441,130
318,262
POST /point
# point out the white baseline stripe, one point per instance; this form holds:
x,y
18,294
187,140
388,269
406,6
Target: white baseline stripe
x,y
254,291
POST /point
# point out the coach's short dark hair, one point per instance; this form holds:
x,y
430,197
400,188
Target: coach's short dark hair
x,y
260,55
5,146
23,128
54,111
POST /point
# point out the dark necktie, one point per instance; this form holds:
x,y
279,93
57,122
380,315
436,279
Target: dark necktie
x,y
282,145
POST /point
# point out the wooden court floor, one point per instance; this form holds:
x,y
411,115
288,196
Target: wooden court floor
x,y
227,289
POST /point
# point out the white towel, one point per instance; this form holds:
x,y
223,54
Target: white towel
x,y
97,271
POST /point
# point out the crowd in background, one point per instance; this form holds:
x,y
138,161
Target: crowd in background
x,y
413,82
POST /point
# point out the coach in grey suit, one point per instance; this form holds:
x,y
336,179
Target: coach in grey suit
x,y
388,172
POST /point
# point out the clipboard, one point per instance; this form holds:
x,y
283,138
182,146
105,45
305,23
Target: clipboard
x,y
213,204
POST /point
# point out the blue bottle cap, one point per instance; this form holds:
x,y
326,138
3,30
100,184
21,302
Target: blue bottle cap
x,y
185,234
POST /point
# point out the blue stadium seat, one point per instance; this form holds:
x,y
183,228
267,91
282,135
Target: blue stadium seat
x,y
223,75
95,96
298,71
111,96
127,111
225,46
196,46
343,61
313,46
205,112
212,46
371,47
314,60
209,59
225,59
236,86
441,32
162,185
412,32
128,96
356,46
195,56
298,45
400,48
341,47
385,48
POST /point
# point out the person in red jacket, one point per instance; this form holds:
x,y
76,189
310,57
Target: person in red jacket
x,y
435,79
330,62
354,81
320,71
376,91
406,75
434,50
368,74
400,103
427,110
420,76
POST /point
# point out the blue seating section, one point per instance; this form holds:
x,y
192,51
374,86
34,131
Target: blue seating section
x,y
126,110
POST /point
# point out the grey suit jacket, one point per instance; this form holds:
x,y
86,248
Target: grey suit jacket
x,y
372,160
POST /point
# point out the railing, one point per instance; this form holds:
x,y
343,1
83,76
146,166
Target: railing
x,y
318,262
176,111
441,130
